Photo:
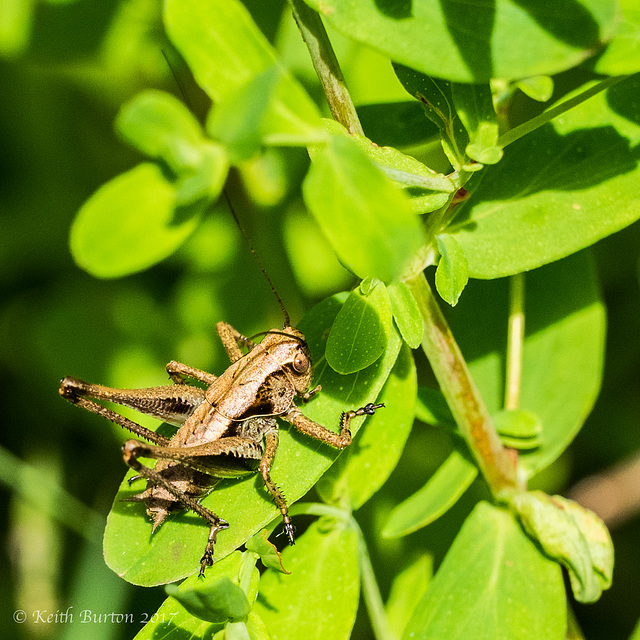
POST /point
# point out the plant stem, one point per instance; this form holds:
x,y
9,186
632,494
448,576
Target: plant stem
x,y
461,394
326,66
515,342
531,125
371,592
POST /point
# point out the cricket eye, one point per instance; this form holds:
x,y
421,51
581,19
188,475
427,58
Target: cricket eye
x,y
300,363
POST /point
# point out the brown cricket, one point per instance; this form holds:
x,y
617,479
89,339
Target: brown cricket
x,y
227,430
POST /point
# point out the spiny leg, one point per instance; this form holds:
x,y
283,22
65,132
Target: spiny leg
x,y
132,449
232,340
178,372
73,390
271,445
315,430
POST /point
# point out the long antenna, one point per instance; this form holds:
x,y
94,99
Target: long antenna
x,y
287,321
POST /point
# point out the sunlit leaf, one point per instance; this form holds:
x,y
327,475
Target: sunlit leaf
x,y
558,189
360,331
129,224
452,273
563,349
367,220
406,313
476,42
441,491
324,584
493,584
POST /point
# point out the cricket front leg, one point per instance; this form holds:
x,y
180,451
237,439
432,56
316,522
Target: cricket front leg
x,y
132,449
178,372
232,340
315,430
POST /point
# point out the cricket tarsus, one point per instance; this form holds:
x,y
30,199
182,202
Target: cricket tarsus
x,y
228,430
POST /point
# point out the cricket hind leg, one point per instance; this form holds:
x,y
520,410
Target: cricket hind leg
x,y
132,449
75,391
169,403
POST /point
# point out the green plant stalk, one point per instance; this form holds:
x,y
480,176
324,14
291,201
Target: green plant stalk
x,y
371,591
462,396
515,342
326,65
531,125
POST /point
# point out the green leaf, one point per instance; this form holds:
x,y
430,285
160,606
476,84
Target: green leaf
x,y
474,106
518,429
439,494
255,114
396,124
437,99
426,189
452,273
367,220
557,190
220,601
199,596
320,597
493,584
15,26
205,183
406,313
129,224
365,466
476,42
407,589
360,332
225,50
621,55
538,88
269,554
160,126
563,349
174,550
574,536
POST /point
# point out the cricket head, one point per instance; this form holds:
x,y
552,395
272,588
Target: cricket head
x,y
289,348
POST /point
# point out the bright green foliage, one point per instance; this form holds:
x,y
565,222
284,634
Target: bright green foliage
x,y
518,428
407,590
474,106
367,220
493,584
269,555
320,597
360,331
557,190
508,41
363,468
128,224
406,313
439,494
160,126
452,273
436,97
460,188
